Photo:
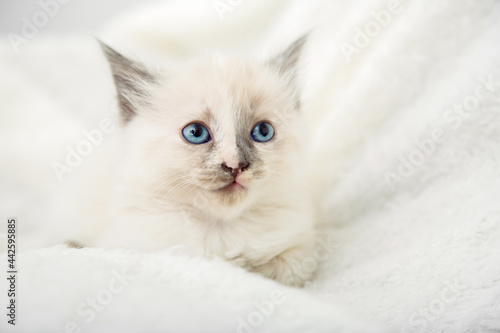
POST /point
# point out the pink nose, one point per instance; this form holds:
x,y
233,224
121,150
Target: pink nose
x,y
235,171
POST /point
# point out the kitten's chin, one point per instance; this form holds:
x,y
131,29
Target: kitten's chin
x,y
231,194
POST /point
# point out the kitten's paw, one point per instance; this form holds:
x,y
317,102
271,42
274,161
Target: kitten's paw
x,y
73,245
289,267
239,260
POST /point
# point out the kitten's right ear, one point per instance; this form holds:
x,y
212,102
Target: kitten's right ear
x,y
286,62
133,82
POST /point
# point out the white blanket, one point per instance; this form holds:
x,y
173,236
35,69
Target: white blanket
x,y
403,101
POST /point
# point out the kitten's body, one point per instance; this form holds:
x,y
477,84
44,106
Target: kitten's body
x,y
159,191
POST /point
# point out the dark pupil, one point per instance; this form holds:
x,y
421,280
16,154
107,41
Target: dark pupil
x,y
263,130
197,131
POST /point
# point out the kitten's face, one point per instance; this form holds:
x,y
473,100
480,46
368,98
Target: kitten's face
x,y
219,105
218,133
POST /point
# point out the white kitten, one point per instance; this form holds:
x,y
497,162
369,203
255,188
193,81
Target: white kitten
x,y
210,157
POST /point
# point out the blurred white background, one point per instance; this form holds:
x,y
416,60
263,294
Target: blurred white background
x,y
77,14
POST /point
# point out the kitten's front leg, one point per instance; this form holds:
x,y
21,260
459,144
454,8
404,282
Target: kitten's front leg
x,y
291,267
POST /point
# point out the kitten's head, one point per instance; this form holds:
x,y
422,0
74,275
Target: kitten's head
x,y
226,131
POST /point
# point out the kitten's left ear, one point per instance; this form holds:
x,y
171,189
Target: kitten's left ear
x,y
133,82
286,61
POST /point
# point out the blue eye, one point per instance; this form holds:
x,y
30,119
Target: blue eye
x,y
196,133
262,132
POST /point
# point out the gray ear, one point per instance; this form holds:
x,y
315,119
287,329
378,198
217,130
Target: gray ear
x,y
133,82
286,62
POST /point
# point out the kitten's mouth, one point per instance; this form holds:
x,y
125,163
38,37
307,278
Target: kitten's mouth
x,y
234,186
